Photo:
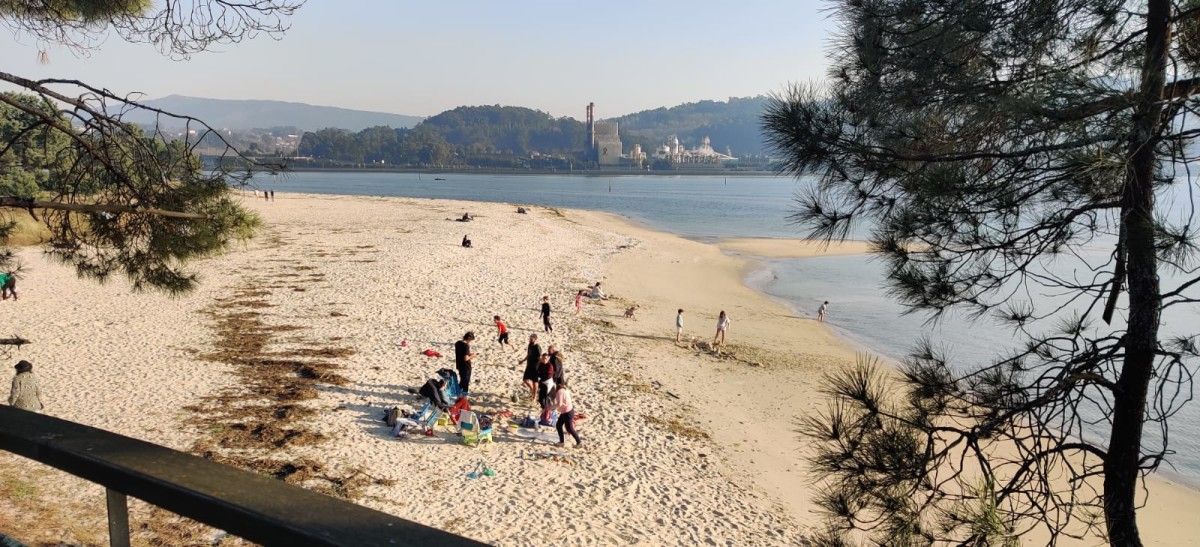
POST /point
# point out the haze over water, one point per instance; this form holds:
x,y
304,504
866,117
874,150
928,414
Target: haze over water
x,y
713,207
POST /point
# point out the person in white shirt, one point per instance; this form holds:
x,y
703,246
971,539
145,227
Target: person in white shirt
x,y
679,326
722,326
822,311
566,413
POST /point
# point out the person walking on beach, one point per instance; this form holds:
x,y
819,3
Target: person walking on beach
x,y
500,326
546,326
824,309
25,394
679,327
272,195
566,413
722,326
8,285
532,356
462,361
578,301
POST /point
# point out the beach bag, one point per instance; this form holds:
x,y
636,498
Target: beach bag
x,y
485,422
391,415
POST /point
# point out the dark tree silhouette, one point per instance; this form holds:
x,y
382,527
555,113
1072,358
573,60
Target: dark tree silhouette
x,y
118,198
990,146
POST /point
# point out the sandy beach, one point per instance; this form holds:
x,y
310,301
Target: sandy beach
x,y
285,358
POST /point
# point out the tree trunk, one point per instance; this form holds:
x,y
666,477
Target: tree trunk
x,y
1121,465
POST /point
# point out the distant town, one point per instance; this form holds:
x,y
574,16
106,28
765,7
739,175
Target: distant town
x,y
708,136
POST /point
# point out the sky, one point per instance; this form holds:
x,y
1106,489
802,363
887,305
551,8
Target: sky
x,y
423,57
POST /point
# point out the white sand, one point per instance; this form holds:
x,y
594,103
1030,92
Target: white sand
x,y
394,268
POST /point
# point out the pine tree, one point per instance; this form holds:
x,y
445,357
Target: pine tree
x,y
985,143
117,198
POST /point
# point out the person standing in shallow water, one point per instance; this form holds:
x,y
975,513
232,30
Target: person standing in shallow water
x,y
26,394
546,326
824,309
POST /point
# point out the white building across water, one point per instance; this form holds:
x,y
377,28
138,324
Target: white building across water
x,y
703,155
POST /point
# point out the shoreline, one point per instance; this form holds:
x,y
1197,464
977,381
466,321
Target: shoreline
x,y
571,173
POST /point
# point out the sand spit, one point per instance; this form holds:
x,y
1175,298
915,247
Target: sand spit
x,y
287,356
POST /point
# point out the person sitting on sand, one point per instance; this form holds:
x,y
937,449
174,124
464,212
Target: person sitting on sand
x,y
8,285
532,356
566,413
432,390
824,309
25,394
596,293
500,326
462,361
521,211
722,326
466,242
466,218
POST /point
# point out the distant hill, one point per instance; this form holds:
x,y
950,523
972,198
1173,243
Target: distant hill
x,y
734,124
507,130
252,114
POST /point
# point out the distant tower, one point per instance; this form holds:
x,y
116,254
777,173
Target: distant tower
x,y
591,130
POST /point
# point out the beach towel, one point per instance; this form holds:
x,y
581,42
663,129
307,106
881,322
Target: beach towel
x,y
431,353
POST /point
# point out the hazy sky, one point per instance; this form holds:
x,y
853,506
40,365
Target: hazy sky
x,y
420,58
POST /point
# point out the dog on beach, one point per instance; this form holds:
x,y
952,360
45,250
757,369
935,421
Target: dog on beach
x,y
630,311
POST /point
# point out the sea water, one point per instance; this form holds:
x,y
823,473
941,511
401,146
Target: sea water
x,y
713,207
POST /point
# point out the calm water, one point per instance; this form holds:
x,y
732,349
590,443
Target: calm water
x,y
713,207
698,207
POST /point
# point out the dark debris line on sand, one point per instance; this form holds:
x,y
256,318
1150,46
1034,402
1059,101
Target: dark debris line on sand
x,y
250,423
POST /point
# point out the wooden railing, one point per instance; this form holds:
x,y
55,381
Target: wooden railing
x,y
255,507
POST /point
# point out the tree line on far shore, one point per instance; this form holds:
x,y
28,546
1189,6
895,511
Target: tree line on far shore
x,y
523,138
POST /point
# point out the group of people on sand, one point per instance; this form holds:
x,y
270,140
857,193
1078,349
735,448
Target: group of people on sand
x,y
543,375
718,338
546,380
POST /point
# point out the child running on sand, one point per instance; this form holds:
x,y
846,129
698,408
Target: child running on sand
x,y
546,314
578,302
500,326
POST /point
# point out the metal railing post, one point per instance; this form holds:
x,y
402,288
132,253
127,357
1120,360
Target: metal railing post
x,y
118,518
